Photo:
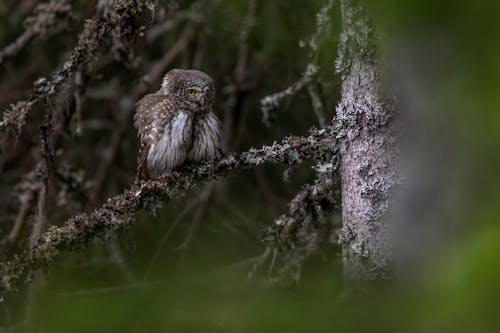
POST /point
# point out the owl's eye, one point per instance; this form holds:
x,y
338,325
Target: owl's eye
x,y
191,92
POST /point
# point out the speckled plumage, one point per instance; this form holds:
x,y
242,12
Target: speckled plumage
x,y
176,127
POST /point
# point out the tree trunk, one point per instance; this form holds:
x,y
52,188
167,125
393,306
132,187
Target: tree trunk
x,y
367,151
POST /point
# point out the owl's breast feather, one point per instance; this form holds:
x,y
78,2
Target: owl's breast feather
x,y
207,138
170,151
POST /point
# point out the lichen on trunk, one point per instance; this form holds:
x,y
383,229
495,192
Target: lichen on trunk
x,y
368,151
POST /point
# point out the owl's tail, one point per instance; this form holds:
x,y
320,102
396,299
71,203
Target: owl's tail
x,y
142,170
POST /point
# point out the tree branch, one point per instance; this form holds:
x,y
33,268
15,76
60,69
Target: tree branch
x,y
118,212
299,232
119,19
273,101
45,18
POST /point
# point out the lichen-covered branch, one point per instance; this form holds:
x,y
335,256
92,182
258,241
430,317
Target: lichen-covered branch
x,y
118,19
367,140
273,101
118,212
299,232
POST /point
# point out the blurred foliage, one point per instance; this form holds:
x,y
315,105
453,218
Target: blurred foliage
x,y
205,289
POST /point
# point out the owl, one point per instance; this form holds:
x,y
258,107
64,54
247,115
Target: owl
x,y
177,124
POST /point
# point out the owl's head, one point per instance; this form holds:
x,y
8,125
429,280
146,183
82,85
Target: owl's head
x,y
189,89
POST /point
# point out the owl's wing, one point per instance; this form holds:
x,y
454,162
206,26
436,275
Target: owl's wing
x,y
216,134
142,170
149,119
148,113
207,142
218,139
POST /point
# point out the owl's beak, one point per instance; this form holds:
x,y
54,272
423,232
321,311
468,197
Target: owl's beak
x,y
201,101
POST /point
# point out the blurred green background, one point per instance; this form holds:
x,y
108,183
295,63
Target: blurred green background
x,y
150,281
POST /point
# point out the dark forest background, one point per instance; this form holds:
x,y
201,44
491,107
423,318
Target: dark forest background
x,y
195,265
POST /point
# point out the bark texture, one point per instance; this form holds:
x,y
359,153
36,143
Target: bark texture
x,y
367,152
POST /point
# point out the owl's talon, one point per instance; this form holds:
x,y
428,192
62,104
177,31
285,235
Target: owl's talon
x,y
225,162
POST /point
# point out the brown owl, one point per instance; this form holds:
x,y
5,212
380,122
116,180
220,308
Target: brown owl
x,y
176,124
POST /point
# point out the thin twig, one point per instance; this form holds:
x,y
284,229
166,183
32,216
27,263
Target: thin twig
x,y
112,150
247,221
298,233
159,69
198,216
317,104
41,214
273,101
26,199
266,190
259,262
236,105
164,238
118,259
44,171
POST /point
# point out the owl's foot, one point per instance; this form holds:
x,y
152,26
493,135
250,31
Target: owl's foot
x,y
225,162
